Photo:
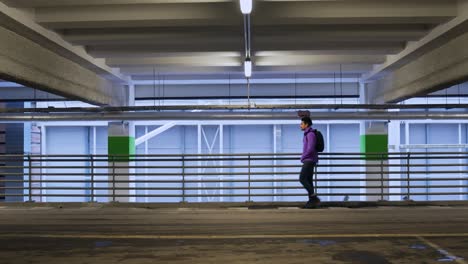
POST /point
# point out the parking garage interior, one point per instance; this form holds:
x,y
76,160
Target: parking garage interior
x,y
143,131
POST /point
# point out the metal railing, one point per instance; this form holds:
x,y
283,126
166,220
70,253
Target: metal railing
x,y
232,177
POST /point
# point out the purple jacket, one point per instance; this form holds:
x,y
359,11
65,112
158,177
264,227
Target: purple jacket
x,y
308,151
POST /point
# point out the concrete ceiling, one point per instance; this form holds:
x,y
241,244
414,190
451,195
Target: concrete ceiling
x,y
121,40
167,36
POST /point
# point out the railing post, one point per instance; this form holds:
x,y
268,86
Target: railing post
x,y
408,176
30,178
92,178
315,180
381,177
113,180
249,199
183,178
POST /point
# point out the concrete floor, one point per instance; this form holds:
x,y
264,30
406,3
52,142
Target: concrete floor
x,y
233,235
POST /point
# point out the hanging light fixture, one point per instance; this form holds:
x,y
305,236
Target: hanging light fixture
x,y
248,68
246,6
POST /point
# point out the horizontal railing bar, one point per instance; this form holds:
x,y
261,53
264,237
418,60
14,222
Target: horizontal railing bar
x,y
362,157
252,173
252,180
240,174
228,188
197,157
232,154
95,173
2,169
236,195
246,160
241,166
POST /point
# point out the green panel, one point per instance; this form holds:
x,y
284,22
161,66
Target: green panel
x,y
374,144
122,147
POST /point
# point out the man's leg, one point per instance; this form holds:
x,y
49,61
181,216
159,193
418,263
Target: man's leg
x,y
310,179
306,177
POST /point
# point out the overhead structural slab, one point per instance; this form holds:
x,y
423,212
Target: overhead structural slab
x,y
38,58
438,69
437,61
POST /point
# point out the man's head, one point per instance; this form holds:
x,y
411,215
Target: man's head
x,y
305,122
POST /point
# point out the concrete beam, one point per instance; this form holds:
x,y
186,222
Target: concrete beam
x,y
48,3
302,47
299,80
357,12
437,37
25,62
263,34
322,68
143,15
195,61
309,60
432,63
226,13
438,69
38,58
22,23
214,61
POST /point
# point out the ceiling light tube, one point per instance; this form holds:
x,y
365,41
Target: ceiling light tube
x,y
248,68
246,6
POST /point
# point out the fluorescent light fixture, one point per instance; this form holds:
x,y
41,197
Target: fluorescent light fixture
x,y
246,6
248,68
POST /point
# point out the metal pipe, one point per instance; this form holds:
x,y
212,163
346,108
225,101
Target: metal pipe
x,y
36,117
118,109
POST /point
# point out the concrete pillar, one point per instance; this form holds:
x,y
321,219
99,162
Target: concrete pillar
x,y
374,146
277,148
394,146
373,140
36,137
121,145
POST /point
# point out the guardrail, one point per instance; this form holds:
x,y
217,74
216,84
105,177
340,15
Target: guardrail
x,y
232,177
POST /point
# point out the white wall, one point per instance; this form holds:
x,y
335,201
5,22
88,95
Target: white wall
x,y
67,140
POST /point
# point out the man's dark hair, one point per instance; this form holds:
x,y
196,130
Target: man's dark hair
x,y
307,120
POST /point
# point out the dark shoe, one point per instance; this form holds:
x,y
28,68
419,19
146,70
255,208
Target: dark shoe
x,y
311,204
314,199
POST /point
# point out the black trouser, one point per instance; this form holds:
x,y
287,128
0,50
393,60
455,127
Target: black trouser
x,y
307,173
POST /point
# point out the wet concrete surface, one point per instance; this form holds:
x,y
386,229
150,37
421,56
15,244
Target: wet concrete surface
x,y
236,235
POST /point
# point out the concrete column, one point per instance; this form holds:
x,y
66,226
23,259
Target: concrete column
x,y
374,140
277,148
374,146
121,145
394,146
36,150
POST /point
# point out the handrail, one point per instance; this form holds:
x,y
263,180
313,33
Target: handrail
x,y
239,177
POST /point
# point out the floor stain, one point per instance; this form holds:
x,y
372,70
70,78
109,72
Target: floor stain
x,y
360,257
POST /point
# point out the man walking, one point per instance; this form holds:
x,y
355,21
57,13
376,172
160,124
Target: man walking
x,y
309,159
